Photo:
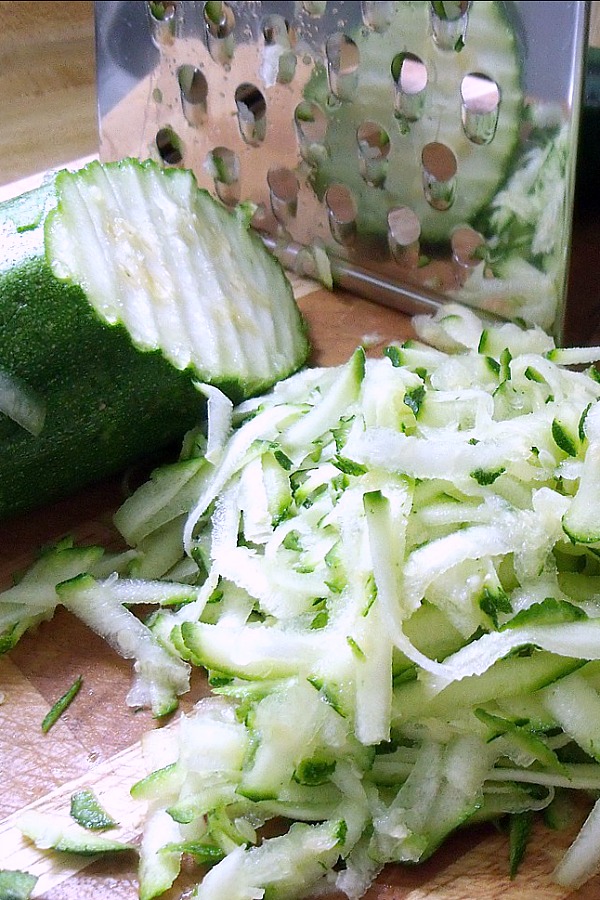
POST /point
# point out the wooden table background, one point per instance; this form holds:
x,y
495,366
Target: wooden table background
x,y
48,118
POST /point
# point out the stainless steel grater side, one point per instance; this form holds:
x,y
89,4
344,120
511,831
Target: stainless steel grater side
x,y
414,152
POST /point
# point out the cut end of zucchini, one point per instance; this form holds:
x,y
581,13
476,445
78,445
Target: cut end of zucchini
x,y
185,276
125,291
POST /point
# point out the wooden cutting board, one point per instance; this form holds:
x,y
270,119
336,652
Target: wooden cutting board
x,y
95,743
47,109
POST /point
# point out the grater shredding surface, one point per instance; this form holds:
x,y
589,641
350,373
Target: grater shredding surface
x,y
416,151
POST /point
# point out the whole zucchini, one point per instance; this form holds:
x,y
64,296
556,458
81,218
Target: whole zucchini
x,y
122,286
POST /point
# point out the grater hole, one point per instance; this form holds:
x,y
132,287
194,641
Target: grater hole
x,y
219,20
468,247
224,167
193,87
169,146
283,192
162,12
410,79
252,113
163,22
276,31
439,168
310,123
343,59
451,12
315,9
377,15
279,60
341,212
449,22
373,147
480,106
261,220
404,232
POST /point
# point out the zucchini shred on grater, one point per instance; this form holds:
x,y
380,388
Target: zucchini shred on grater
x,y
413,152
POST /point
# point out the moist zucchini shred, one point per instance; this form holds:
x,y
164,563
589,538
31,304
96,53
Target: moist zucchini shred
x,y
121,285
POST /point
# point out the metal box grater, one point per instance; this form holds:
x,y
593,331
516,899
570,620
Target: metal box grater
x,y
414,152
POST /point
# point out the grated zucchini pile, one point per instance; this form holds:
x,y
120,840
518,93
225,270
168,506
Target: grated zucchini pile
x,y
390,572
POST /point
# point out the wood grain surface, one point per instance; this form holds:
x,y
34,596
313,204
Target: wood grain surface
x,y
47,86
48,118
95,743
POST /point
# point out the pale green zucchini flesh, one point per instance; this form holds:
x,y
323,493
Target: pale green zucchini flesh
x,y
121,286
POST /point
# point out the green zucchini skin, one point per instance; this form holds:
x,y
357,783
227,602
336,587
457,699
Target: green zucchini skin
x,y
108,404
